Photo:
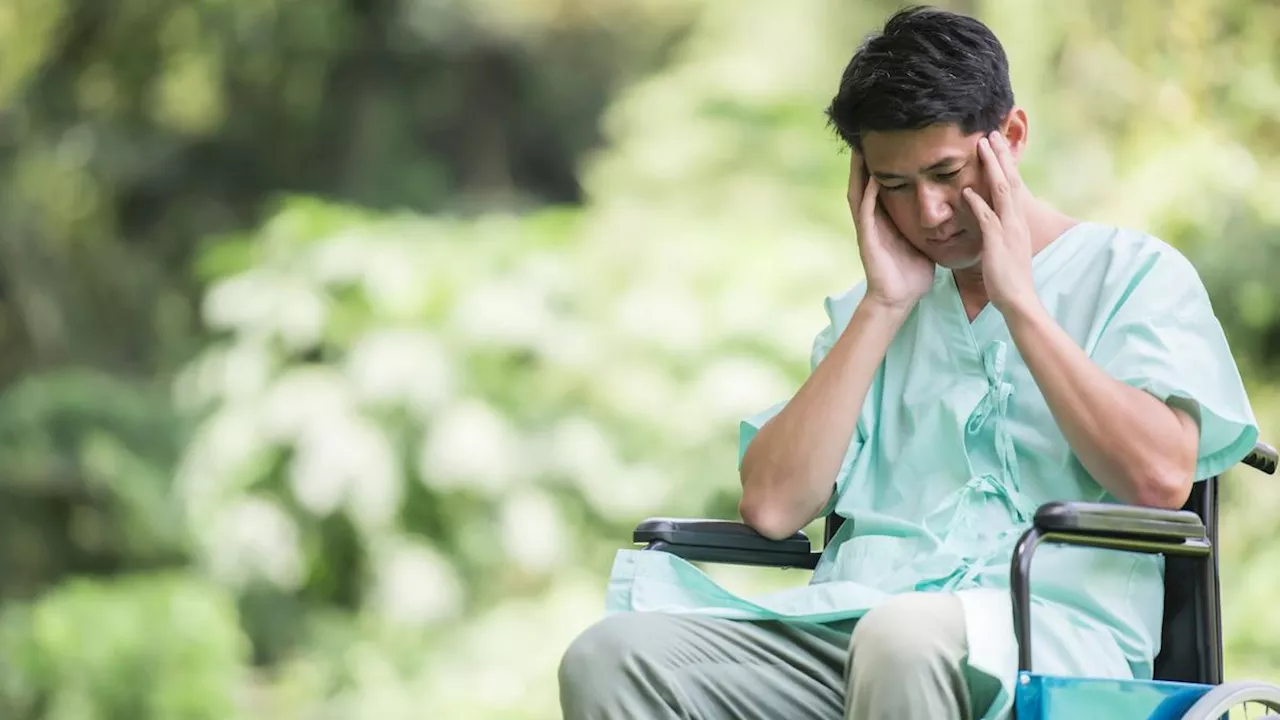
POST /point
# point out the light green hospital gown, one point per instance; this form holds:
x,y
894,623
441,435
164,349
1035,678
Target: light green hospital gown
x,y
955,448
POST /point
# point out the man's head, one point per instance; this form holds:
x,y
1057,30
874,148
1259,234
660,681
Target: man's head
x,y
913,102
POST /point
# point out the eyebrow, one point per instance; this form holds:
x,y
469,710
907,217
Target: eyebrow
x,y
944,162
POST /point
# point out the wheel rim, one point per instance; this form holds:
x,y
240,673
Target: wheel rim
x,y
1252,700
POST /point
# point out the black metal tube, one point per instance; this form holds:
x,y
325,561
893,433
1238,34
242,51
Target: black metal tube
x,y
1020,584
1211,617
1020,573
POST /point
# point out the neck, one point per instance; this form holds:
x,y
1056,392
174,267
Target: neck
x,y
1045,225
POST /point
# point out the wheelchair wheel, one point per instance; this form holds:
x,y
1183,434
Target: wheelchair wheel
x,y
1237,700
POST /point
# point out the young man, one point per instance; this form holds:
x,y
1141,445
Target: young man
x,y
998,356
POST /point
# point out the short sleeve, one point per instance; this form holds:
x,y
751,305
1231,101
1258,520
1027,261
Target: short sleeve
x,y
1164,338
839,311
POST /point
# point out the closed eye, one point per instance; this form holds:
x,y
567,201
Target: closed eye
x,y
941,177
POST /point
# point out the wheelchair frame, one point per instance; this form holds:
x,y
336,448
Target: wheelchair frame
x,y
1187,680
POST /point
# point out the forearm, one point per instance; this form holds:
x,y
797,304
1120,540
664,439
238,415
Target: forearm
x,y
789,469
1138,448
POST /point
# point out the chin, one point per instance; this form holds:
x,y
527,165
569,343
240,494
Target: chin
x,y
962,254
966,262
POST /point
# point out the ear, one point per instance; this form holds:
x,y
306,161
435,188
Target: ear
x,y
1014,127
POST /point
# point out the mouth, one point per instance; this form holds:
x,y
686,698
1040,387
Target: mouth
x,y
946,239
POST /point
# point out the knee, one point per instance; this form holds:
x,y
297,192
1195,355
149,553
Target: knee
x,y
909,633
597,658
601,643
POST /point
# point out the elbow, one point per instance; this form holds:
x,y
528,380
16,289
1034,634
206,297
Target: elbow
x,y
765,518
1164,474
776,503
761,508
1166,488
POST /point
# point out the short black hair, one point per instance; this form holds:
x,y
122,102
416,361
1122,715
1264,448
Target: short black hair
x,y
927,66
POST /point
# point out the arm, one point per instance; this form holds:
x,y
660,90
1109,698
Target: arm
x,y
1137,447
789,469
1140,449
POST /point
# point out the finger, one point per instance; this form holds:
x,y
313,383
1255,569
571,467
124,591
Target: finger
x,y
867,200
857,177
1008,165
869,213
1001,193
988,221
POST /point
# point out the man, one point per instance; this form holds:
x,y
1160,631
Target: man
x,y
999,355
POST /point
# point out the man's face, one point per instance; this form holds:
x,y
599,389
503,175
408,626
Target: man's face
x,y
921,175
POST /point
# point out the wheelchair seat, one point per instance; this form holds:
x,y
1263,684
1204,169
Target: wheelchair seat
x,y
1187,682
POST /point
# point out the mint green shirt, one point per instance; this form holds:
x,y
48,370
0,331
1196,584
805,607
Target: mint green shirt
x,y
955,449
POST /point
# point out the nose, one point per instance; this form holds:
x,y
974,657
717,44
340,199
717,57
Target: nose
x,y
935,206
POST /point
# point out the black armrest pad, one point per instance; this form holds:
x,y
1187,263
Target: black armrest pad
x,y
724,534
1125,520
1263,457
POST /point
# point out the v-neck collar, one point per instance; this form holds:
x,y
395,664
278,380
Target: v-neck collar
x,y
1039,261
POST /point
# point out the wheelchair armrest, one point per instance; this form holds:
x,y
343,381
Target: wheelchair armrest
x,y
1127,528
1122,521
723,541
1263,457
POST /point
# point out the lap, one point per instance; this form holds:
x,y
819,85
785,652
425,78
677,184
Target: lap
x,y
916,623
918,640
708,666
744,669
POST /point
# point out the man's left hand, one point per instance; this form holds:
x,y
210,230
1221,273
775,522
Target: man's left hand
x,y
1006,241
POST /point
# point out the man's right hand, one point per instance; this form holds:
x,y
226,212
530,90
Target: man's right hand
x,y
792,467
897,274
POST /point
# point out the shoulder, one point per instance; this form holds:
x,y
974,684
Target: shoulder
x,y
1129,256
1123,277
840,307
1126,266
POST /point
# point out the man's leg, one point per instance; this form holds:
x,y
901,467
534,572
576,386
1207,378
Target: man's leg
x,y
907,659
653,665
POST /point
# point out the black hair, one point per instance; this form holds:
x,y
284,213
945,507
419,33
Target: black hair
x,y
927,66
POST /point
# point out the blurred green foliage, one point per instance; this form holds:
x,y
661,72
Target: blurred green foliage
x,y
345,342
143,646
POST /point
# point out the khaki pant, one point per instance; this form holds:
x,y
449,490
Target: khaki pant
x,y
904,659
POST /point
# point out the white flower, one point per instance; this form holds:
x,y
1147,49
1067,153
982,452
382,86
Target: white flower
x,y
235,303
571,345
394,284
533,531
415,585
628,493
639,390
662,316
347,457
262,302
401,366
252,539
341,259
300,315
302,396
246,370
504,313
579,450
734,387
220,457
472,444
236,372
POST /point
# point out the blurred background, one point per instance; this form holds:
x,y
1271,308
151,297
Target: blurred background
x,y
342,342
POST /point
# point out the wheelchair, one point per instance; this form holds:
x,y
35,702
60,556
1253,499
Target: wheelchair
x,y
1187,681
